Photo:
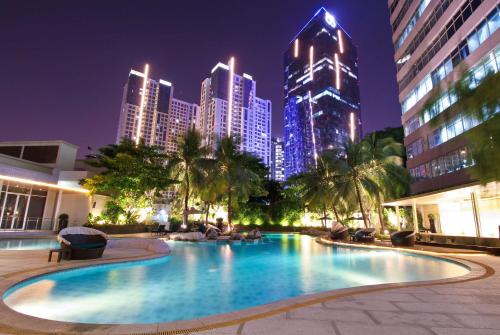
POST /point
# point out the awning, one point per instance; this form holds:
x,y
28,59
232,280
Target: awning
x,y
450,194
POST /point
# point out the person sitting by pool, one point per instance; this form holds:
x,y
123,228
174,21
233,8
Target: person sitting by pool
x,y
212,232
202,228
235,235
254,234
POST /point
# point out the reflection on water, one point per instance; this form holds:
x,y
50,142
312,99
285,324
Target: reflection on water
x,y
210,278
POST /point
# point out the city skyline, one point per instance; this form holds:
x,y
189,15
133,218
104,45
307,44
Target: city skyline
x,y
87,90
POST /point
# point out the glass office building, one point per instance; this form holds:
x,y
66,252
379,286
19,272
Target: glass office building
x,y
434,40
321,93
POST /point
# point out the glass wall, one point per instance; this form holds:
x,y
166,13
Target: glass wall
x,y
450,162
21,206
482,31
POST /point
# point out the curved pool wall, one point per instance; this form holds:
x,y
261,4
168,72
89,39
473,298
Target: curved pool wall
x,y
203,279
28,244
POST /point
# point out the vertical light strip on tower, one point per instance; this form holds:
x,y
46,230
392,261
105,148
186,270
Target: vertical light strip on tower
x,y
341,42
337,72
143,101
352,126
311,62
312,129
296,48
230,98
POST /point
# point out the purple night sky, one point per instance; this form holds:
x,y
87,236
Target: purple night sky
x,y
64,63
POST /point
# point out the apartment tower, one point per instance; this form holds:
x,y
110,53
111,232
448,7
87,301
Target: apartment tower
x,y
229,106
150,112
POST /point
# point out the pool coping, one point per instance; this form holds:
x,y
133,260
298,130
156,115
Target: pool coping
x,y
11,321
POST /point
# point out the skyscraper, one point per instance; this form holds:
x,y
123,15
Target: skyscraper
x,y
433,41
229,106
150,111
277,159
321,94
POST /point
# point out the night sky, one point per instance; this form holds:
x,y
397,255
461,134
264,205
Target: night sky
x,y
63,64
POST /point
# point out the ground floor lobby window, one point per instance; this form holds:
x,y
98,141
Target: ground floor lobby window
x,y
21,206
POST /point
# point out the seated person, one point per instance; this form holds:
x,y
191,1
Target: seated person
x,y
235,235
254,234
212,234
202,228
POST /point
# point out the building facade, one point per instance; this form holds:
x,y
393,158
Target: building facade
x,y
181,117
150,112
229,106
277,159
39,180
433,41
321,93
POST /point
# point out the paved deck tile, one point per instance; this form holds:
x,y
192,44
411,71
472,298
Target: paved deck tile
x,y
346,328
288,327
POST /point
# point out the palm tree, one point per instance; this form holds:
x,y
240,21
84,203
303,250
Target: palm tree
x,y
371,168
189,165
354,176
319,185
210,192
239,174
384,158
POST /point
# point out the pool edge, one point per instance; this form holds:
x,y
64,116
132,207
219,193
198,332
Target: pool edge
x,y
10,319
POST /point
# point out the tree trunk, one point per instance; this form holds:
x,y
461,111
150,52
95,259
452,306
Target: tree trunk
x,y
324,217
206,215
337,217
380,214
229,210
186,200
358,193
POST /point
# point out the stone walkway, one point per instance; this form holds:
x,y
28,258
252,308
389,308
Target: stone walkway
x,y
467,308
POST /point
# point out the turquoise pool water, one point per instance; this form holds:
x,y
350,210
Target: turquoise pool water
x,y
202,279
28,244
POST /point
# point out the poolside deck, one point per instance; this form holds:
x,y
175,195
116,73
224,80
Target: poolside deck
x,y
466,306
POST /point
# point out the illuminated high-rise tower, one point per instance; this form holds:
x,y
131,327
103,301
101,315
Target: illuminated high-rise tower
x,y
229,106
149,111
277,159
321,102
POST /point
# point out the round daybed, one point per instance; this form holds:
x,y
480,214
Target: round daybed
x,y
339,232
82,242
404,238
366,235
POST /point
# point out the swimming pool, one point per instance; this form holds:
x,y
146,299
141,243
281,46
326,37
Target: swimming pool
x,y
202,279
28,244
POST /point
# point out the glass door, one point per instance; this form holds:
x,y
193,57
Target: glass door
x,y
8,211
20,212
14,211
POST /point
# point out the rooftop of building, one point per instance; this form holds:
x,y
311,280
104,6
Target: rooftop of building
x,y
329,18
38,143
